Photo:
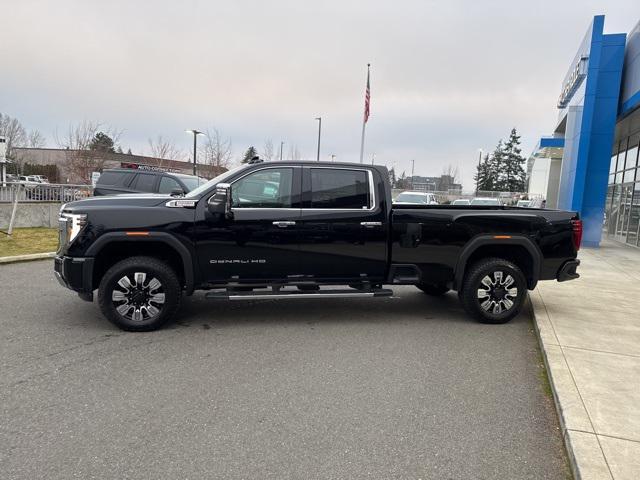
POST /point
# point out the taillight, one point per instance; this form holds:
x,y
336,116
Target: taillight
x,y
576,226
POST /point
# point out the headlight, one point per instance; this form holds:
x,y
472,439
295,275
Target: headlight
x,y
73,223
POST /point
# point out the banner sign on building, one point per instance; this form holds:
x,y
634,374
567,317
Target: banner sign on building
x,y
148,168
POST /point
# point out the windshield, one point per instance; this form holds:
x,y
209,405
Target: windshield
x,y
220,178
411,198
485,201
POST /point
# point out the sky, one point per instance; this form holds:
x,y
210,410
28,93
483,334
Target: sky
x,y
447,77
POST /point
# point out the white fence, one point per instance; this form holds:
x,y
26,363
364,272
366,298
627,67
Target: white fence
x,y
507,198
43,192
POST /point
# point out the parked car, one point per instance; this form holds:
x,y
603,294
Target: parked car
x,y
537,203
523,203
126,180
486,202
461,201
416,198
29,179
326,225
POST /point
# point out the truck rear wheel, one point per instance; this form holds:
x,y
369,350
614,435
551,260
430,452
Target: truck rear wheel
x,y
139,294
493,290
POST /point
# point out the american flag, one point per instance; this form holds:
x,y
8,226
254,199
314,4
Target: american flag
x,y
367,98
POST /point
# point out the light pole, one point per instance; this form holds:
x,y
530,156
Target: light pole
x,y
478,172
412,165
281,145
195,136
319,132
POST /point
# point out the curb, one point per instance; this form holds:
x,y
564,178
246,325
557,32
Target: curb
x,y
583,459
26,258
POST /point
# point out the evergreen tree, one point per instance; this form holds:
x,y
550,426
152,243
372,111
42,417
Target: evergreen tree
x,y
484,177
513,170
403,181
102,142
496,168
249,154
392,177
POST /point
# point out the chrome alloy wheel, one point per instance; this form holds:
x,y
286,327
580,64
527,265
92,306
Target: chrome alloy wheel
x,y
136,299
496,294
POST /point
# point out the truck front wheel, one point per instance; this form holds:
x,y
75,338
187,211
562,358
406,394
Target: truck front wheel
x,y
139,294
493,290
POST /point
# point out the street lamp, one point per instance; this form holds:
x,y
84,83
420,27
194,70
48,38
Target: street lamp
x,y
319,131
412,165
195,136
478,172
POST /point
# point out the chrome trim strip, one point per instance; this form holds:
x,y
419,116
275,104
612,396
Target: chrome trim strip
x,y
301,295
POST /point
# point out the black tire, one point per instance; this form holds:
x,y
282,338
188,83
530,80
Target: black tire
x,y
152,299
493,275
435,290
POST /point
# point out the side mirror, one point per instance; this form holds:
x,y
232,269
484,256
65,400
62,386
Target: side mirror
x,y
220,203
177,192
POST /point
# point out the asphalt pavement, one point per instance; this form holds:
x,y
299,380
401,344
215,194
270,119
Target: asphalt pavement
x,y
405,387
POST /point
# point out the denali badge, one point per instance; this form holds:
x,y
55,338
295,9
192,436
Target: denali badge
x,y
237,260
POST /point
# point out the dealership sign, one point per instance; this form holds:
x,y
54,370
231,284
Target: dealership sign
x,y
148,168
577,75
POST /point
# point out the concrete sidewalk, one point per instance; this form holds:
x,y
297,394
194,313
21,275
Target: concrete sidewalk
x,y
590,337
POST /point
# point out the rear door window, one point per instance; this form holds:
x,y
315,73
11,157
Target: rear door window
x,y
340,188
144,182
114,178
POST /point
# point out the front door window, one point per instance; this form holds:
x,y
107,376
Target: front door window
x,y
268,188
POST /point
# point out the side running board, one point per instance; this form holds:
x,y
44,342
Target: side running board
x,y
288,294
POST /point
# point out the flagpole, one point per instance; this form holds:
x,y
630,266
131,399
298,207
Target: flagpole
x,y
362,142
365,116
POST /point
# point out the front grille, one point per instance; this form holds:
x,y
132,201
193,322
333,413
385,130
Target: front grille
x,y
62,234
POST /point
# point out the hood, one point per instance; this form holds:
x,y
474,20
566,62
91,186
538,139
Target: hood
x,y
119,201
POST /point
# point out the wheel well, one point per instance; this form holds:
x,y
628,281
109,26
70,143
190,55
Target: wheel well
x,y
113,252
516,254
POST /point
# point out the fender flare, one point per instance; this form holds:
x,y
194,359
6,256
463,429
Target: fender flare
x,y
161,237
483,240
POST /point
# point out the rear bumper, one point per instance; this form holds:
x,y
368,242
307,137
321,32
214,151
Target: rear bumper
x,y
568,271
74,273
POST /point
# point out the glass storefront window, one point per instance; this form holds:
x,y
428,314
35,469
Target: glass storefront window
x,y
633,230
622,210
629,175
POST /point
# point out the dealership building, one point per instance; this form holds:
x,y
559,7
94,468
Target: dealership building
x,y
589,162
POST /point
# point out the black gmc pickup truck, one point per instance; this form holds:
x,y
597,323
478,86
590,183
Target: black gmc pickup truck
x,y
304,230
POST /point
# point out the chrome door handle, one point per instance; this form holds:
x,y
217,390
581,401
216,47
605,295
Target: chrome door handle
x,y
371,224
284,224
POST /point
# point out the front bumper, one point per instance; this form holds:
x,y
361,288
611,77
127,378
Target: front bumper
x,y
568,271
75,273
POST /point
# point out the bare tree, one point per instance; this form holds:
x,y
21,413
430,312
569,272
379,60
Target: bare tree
x,y
13,132
36,139
294,153
452,172
267,150
217,152
164,149
80,159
